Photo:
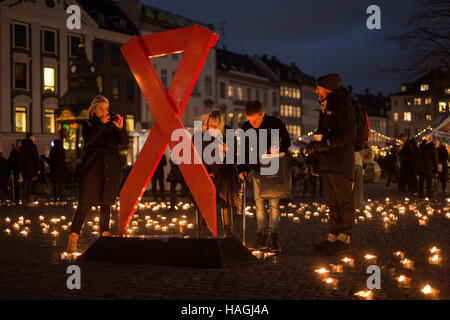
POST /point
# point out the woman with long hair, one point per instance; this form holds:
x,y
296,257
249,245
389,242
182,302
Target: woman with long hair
x,y
224,176
100,171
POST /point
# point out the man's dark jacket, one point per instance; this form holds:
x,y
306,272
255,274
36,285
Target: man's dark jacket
x,y
29,159
428,159
337,124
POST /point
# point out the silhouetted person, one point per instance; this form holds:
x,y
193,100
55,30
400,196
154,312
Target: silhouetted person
x,y
29,165
4,177
409,153
57,169
442,164
158,177
427,166
14,167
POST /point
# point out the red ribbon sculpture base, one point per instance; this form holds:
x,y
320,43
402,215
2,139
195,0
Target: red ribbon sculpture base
x,y
167,108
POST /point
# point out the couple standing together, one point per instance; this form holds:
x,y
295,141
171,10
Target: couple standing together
x,y
333,157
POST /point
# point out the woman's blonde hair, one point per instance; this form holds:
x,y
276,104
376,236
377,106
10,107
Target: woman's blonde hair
x,y
218,117
95,102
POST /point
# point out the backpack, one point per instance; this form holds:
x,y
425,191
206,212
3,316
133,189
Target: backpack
x,y
362,127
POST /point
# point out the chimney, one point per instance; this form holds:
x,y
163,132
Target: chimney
x,y
367,92
350,88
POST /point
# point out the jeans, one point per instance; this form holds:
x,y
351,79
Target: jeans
x,y
274,213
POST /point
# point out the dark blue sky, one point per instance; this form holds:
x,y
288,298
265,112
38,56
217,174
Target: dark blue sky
x,y
320,36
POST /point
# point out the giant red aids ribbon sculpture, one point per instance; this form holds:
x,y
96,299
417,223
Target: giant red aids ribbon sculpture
x,y
167,107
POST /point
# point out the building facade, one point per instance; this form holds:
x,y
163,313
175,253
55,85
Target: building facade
x,y
37,49
420,104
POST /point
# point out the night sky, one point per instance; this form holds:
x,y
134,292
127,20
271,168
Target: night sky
x,y
320,36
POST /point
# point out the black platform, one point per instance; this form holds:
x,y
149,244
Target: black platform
x,y
202,253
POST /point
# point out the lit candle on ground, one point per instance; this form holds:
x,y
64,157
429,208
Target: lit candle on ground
x,y
27,221
322,271
371,258
44,230
399,254
16,226
349,261
24,233
407,264
435,250
8,220
331,282
336,268
257,254
365,294
55,233
8,231
403,281
435,260
63,218
429,292
64,227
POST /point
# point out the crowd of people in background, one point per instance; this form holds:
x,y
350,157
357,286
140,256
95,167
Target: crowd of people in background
x,y
25,174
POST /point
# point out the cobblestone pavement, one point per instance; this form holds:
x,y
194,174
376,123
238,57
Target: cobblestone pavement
x,y
31,265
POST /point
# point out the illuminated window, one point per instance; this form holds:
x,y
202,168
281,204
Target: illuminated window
x,y
282,91
115,88
417,101
230,91
20,119
424,87
407,116
240,94
442,106
240,118
129,122
447,90
49,121
99,83
395,116
403,88
427,100
230,118
429,117
49,79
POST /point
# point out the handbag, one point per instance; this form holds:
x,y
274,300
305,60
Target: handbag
x,y
278,185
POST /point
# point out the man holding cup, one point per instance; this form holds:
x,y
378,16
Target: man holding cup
x,y
334,159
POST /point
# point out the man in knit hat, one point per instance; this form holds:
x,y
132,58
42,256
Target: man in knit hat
x,y
334,160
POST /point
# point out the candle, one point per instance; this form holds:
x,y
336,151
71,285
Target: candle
x,y
365,294
322,271
8,231
371,258
8,220
64,256
55,233
435,250
44,230
336,268
349,261
407,264
63,218
434,259
331,282
399,254
24,233
429,292
64,227
257,254
16,226
27,221
403,281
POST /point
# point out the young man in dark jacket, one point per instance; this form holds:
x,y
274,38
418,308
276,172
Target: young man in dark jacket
x,y
427,166
442,163
29,165
258,120
335,160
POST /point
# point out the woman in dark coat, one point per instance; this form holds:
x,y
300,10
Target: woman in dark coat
x,y
442,164
101,168
57,165
225,176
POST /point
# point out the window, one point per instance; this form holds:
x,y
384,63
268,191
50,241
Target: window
x,y
424,87
395,116
99,83
49,121
98,51
274,99
222,90
395,103
49,41
20,76
230,91
427,100
129,122
208,85
429,117
447,90
175,56
282,91
403,88
49,79
417,101
257,94
249,94
20,119
74,45
407,116
20,36
265,97
114,54
164,77
130,88
442,106
240,94
115,88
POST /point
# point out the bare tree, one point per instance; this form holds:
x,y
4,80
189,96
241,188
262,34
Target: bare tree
x,y
427,39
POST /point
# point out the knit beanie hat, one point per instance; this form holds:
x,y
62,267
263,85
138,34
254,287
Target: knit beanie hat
x,y
330,81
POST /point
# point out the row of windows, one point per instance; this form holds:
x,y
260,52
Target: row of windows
x,y
294,129
49,121
250,94
115,85
407,116
290,92
290,111
424,87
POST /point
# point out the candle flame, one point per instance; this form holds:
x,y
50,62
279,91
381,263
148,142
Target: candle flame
x,y
427,289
